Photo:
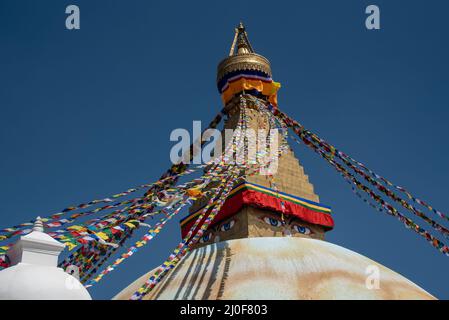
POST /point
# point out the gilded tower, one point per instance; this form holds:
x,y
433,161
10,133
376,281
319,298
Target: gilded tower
x,y
267,240
283,203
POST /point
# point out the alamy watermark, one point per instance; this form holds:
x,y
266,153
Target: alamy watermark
x,y
72,22
372,22
372,281
243,147
72,278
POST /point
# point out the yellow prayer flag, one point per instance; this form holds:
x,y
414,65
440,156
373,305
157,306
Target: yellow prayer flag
x,y
102,235
132,226
70,245
78,228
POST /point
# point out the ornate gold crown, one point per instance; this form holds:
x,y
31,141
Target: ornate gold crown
x,y
244,58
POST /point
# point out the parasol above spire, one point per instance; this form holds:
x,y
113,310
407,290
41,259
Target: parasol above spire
x,y
242,42
242,57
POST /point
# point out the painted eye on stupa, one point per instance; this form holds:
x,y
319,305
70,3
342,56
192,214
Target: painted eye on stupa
x,y
272,221
206,237
227,226
302,229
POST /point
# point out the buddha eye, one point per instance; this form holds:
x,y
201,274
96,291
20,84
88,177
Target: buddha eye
x,y
302,229
272,221
206,237
227,226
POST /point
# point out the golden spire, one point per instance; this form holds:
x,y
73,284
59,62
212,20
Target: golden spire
x,y
244,58
242,41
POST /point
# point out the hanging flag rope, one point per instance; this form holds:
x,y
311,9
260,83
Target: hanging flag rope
x,y
187,189
53,221
186,244
387,182
228,154
193,191
173,171
133,249
328,154
168,179
299,129
181,249
190,194
214,172
402,202
438,227
153,232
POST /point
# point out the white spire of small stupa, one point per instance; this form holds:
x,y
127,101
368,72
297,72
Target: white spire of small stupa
x,y
38,225
34,273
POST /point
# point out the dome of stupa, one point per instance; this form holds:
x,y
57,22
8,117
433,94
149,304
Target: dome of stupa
x,y
270,268
33,282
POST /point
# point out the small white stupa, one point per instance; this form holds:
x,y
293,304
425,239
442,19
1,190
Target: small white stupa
x,y
34,274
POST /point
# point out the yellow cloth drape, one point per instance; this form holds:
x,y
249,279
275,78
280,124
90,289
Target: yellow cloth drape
x,y
268,89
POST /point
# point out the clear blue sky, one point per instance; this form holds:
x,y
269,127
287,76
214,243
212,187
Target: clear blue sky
x,y
88,113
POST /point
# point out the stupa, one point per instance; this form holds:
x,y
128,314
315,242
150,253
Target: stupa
x,y
268,241
34,275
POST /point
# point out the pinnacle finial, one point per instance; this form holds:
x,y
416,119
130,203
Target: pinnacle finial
x,y
38,225
241,40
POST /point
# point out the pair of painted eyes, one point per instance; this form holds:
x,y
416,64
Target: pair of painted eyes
x,y
223,228
277,223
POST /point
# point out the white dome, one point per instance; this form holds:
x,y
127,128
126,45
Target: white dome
x,y
278,268
34,275
34,282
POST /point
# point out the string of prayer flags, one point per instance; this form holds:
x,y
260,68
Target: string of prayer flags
x,y
171,176
3,261
180,249
54,220
201,184
133,249
409,223
196,183
173,258
387,182
302,132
